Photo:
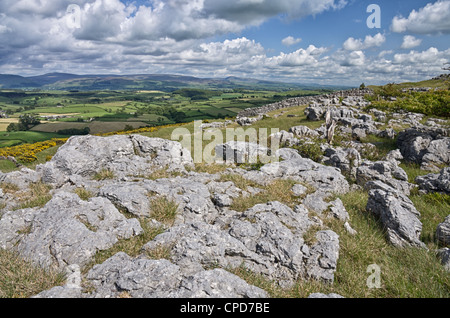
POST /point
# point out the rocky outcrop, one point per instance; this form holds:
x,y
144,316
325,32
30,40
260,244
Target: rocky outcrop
x,y
439,182
196,253
240,152
386,171
443,232
267,239
396,213
322,177
427,146
353,97
121,155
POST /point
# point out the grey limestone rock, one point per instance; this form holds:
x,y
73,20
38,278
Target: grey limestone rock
x,y
22,178
439,182
444,255
267,239
346,159
443,232
123,155
303,131
307,171
285,138
216,283
67,230
323,256
397,213
145,278
240,152
425,145
386,171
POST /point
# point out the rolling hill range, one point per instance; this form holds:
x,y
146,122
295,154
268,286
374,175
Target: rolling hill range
x,y
161,82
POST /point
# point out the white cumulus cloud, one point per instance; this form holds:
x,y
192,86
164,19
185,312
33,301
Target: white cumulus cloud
x,y
290,40
410,42
352,44
432,19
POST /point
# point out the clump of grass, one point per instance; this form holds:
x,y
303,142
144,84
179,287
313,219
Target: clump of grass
x,y
238,180
278,190
38,195
208,168
22,279
84,194
131,246
413,171
104,174
160,252
10,188
163,174
163,210
310,150
434,208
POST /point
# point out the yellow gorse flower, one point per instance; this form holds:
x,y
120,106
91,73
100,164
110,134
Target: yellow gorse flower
x,y
26,153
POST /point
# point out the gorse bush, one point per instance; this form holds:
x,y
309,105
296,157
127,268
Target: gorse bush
x,y
27,152
431,103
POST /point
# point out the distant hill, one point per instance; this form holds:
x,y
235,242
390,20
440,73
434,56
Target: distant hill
x,y
162,82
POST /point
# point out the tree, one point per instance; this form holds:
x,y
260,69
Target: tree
x,y
362,86
12,127
28,121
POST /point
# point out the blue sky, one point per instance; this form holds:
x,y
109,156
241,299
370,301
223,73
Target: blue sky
x,y
302,41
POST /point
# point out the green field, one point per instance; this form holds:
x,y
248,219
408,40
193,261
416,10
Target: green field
x,y
109,111
22,137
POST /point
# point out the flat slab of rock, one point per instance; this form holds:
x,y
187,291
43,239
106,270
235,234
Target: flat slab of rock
x,y
306,170
67,230
146,278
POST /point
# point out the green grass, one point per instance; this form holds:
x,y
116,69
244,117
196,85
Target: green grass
x,y
19,278
20,137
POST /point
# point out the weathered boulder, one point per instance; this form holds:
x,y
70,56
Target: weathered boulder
x,y
246,121
315,113
22,178
303,131
284,138
216,283
439,182
67,230
241,152
323,256
397,213
444,256
122,155
443,232
424,145
346,159
386,171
